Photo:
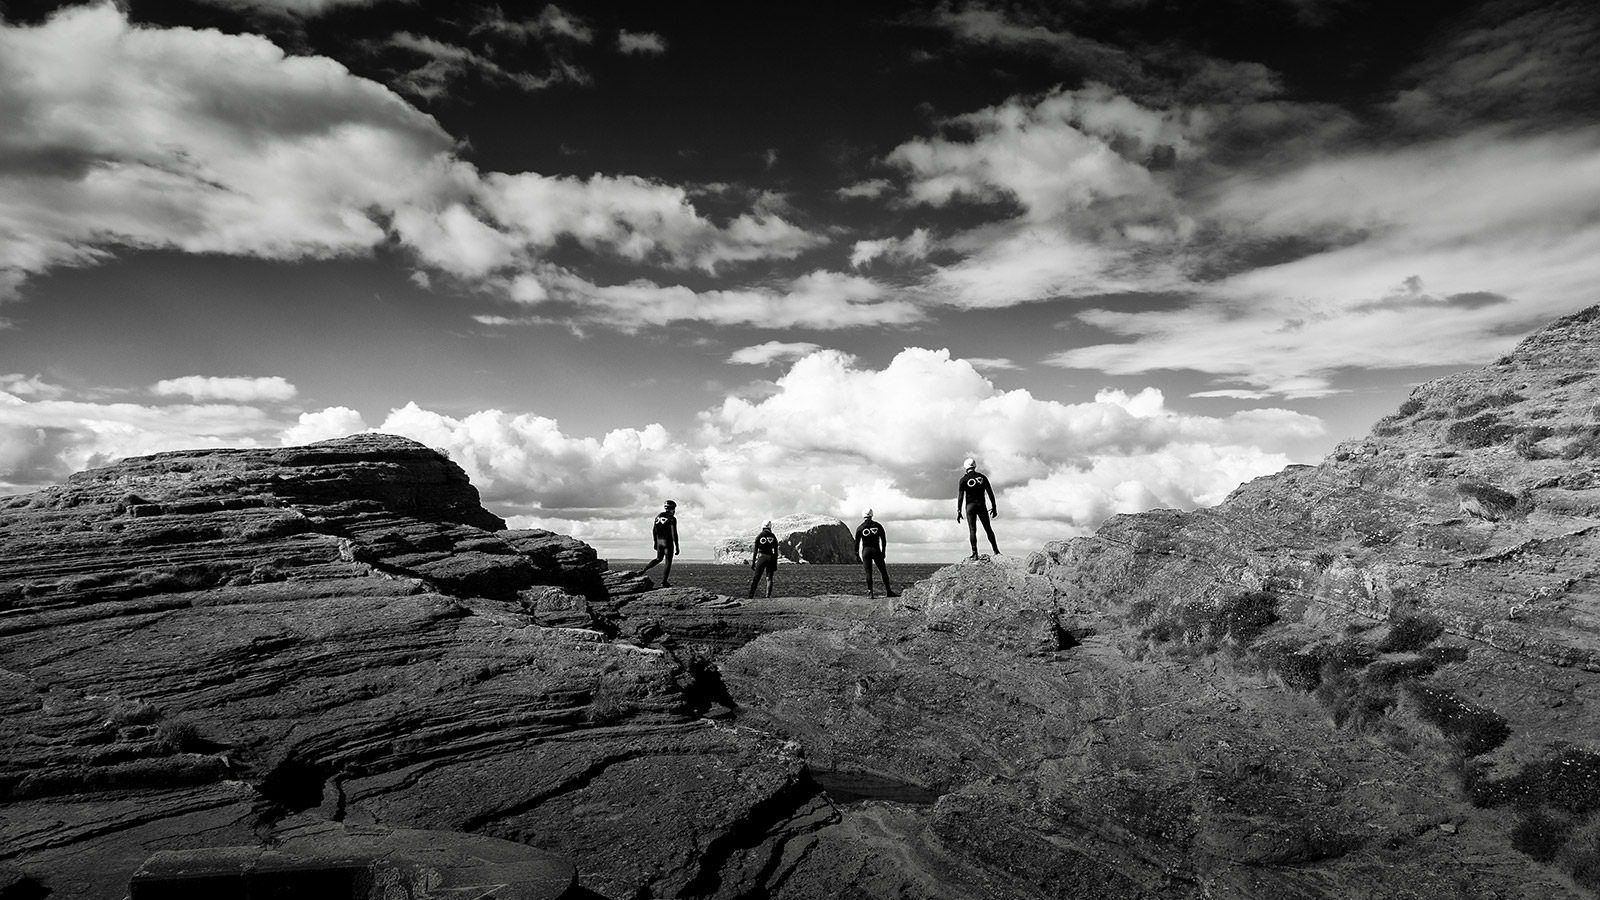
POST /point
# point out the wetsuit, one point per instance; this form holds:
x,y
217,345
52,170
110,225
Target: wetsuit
x,y
765,561
970,493
873,541
664,530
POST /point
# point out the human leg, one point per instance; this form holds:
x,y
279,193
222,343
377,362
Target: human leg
x,y
888,590
973,512
987,530
666,573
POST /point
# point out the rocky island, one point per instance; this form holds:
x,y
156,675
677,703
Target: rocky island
x,y
1374,677
802,538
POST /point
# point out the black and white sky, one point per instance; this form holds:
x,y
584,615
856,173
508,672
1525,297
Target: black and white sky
x,y
776,258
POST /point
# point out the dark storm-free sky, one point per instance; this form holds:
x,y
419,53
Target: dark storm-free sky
x,y
793,259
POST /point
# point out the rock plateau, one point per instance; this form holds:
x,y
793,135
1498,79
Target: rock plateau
x,y
1378,677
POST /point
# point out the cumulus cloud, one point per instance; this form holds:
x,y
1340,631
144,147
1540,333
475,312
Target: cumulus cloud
x,y
637,219
837,434
872,188
829,436
771,352
992,364
294,8
1071,152
447,63
1454,248
912,246
139,137
238,390
30,386
195,140
819,299
333,422
641,43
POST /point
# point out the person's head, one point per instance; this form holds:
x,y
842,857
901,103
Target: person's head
x,y
866,513
969,463
767,525
669,506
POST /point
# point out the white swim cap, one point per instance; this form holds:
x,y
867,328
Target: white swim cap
x,y
866,513
969,463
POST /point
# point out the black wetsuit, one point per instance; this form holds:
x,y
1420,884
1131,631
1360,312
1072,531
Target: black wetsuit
x,y
873,541
765,561
664,531
970,493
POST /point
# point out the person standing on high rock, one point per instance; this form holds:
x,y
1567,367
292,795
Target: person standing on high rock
x,y
970,492
872,543
664,531
764,558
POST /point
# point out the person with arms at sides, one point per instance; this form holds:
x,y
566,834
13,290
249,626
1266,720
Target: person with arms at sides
x,y
664,531
970,493
872,543
764,558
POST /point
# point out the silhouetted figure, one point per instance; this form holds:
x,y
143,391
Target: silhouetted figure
x,y
872,543
764,558
664,531
970,491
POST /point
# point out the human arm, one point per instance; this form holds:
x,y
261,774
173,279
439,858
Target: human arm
x,y
988,488
677,549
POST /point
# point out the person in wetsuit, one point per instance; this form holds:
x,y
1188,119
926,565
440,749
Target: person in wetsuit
x,y
664,531
872,543
970,492
764,558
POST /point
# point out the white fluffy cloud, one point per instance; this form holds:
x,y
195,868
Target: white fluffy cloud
x,y
771,352
912,246
829,436
125,136
197,140
643,43
298,8
1066,153
821,300
239,390
1444,254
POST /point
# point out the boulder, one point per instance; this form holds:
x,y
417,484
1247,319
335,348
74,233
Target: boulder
x,y
802,538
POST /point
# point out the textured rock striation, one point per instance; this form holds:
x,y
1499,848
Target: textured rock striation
x,y
201,649
802,538
1374,677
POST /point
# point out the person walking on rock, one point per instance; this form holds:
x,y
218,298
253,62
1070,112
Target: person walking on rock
x,y
872,543
764,558
970,492
664,531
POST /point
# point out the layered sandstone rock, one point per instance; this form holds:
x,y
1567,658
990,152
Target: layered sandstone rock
x,y
1373,677
199,648
802,537
1376,677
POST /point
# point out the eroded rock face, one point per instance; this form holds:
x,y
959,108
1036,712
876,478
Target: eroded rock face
x,y
198,648
1346,680
802,537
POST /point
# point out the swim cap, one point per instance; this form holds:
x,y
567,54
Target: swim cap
x,y
866,513
767,524
969,463
670,503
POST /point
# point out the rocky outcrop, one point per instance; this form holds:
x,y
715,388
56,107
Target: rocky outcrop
x,y
1375,677
1372,677
200,649
802,537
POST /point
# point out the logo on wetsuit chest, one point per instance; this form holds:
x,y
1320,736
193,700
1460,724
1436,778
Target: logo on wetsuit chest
x,y
662,520
974,482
